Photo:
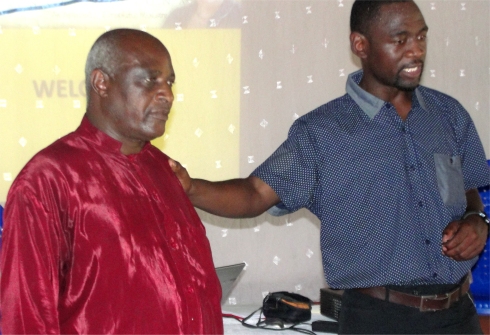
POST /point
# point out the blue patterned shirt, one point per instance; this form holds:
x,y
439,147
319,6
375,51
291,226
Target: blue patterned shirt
x,y
383,188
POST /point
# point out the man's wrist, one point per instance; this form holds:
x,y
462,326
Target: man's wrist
x,y
480,214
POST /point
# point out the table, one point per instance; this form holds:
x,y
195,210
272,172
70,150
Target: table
x,y
234,327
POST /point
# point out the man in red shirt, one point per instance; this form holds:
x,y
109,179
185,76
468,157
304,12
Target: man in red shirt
x,y
99,236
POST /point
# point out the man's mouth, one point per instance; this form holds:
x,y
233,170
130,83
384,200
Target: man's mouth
x,y
161,115
413,71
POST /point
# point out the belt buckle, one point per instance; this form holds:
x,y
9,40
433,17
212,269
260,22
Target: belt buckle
x,y
438,297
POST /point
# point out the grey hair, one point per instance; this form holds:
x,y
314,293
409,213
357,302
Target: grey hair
x,y
108,52
104,55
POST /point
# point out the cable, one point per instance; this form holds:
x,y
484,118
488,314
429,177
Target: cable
x,y
244,320
232,316
262,323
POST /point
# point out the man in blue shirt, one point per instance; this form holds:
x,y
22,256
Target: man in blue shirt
x,y
392,170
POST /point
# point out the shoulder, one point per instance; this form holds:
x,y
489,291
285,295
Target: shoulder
x,y
438,99
64,156
157,154
70,149
447,107
55,152
329,110
339,114
156,158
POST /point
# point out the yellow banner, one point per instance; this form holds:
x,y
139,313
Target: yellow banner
x,y
42,96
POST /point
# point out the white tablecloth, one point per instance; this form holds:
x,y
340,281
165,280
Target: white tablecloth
x,y
234,327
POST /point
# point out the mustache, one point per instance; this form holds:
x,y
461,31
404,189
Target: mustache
x,y
163,106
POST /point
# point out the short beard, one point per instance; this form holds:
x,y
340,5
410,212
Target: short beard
x,y
405,86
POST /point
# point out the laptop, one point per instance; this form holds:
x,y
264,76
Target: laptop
x,y
227,277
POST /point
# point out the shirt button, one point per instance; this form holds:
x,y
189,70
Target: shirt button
x,y
434,275
427,242
421,204
190,290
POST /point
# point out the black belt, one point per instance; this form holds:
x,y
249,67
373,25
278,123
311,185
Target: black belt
x,y
423,302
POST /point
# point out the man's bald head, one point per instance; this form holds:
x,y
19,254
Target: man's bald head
x,y
110,51
129,87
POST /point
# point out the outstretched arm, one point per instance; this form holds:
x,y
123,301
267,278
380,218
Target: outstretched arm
x,y
465,239
235,198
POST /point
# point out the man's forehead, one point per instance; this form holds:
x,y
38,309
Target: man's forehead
x,y
151,63
143,53
399,14
142,43
393,9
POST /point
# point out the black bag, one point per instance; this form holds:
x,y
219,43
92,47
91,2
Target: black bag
x,y
289,307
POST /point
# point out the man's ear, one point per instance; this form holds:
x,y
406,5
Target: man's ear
x,y
359,44
99,81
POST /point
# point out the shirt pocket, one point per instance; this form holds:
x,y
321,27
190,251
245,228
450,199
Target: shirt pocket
x,y
450,179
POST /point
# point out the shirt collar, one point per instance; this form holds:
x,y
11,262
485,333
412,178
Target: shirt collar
x,y
92,134
370,104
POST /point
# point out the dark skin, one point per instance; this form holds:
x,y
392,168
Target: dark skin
x,y
392,53
465,239
235,198
132,105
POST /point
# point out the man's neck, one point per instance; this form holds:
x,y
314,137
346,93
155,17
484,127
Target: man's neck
x,y
400,99
128,146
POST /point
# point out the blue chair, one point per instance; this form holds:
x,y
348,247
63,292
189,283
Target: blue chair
x,y
480,287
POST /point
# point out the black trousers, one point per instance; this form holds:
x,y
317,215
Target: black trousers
x,y
362,314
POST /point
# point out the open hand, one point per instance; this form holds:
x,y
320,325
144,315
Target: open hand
x,y
181,174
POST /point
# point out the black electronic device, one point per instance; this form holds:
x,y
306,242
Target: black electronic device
x,y
325,326
289,307
330,302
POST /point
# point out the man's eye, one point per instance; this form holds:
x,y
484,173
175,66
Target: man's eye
x,y
170,83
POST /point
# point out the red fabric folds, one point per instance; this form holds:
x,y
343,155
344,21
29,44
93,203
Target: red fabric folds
x,y
98,242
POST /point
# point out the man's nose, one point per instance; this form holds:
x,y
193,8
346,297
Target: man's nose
x,y
417,48
165,93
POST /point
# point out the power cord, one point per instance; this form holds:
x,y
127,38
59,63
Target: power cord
x,y
268,323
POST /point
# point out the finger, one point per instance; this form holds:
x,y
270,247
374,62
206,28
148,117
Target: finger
x,y
173,164
450,231
468,253
464,254
459,252
464,245
457,239
473,249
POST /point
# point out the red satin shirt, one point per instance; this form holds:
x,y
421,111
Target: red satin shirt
x,y
98,242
